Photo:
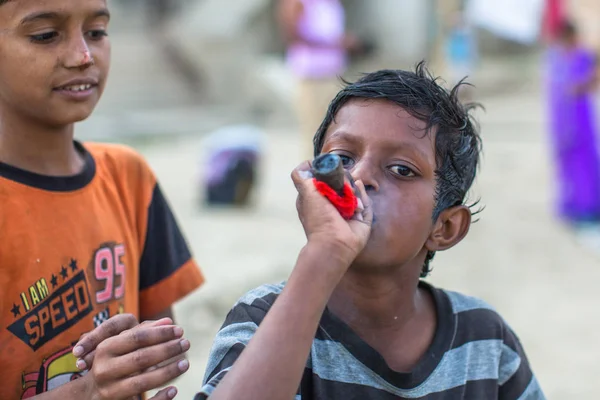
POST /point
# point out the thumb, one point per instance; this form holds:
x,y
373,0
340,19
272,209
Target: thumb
x,y
302,176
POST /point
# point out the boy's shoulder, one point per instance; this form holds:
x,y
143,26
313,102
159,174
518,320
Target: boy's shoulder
x,y
121,162
261,297
115,154
474,318
461,302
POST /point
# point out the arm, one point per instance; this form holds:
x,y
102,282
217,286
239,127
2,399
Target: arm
x,y
272,364
515,377
276,355
589,75
288,15
167,269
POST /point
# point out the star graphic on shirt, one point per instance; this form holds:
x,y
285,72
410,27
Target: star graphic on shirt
x,y
73,265
54,281
16,310
63,272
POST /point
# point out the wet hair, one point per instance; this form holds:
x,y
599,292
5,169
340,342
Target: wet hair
x,y
457,140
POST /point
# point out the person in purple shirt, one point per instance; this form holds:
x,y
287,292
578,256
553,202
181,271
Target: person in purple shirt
x,y
571,79
318,47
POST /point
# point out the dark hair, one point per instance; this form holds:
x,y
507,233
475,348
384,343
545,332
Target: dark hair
x,y
457,144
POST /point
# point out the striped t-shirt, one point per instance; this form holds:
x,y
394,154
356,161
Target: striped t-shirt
x,y
474,355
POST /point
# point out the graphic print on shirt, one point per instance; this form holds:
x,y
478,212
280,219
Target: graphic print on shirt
x,y
56,370
52,304
108,269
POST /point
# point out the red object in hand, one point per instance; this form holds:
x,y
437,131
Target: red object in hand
x,y
345,204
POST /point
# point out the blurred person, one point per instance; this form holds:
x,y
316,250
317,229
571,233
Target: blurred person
x,y
571,79
318,48
87,231
355,320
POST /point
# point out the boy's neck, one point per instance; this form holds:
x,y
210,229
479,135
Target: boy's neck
x,y
39,149
378,300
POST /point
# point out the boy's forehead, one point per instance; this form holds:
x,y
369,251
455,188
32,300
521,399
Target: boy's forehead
x,y
14,10
382,125
371,118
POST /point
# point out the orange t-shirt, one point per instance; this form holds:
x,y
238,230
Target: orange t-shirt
x,y
75,251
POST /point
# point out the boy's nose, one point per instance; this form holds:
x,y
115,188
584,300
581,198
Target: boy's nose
x,y
367,174
79,55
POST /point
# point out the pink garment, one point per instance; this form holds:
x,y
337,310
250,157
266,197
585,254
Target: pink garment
x,y
323,22
554,15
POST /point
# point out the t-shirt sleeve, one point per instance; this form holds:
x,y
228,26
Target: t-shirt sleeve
x,y
516,379
167,270
233,337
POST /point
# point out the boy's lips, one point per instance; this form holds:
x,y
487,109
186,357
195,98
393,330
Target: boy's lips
x,y
78,84
78,89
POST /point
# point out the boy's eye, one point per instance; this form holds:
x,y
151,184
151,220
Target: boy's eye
x,y
347,162
45,37
97,34
402,170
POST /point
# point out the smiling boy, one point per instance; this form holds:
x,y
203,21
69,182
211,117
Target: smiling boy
x,y
86,231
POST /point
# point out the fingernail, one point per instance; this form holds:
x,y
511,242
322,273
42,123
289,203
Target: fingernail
x,y
183,365
305,174
359,204
172,393
185,344
80,364
78,351
178,331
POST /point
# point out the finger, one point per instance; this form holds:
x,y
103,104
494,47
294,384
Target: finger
x,y
301,174
151,380
135,339
143,359
87,361
111,327
165,394
159,322
367,205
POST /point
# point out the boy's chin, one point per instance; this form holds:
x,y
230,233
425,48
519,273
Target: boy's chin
x,y
71,116
372,259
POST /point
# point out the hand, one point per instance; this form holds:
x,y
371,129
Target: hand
x,y
322,222
123,364
352,43
85,349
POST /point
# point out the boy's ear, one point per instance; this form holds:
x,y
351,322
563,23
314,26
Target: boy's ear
x,y
450,228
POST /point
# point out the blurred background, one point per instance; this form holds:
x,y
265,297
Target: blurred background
x,y
209,92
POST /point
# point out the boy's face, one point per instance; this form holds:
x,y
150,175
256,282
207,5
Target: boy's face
x,y
386,148
54,58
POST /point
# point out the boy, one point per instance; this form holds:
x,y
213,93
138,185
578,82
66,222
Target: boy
x,y
354,320
87,233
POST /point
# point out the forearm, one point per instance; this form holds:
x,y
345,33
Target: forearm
x,y
77,389
272,365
